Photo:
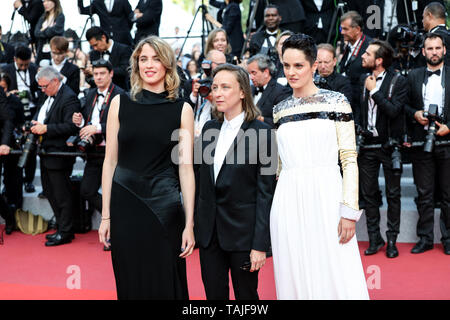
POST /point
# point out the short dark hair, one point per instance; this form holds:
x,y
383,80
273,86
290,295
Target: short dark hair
x,y
431,35
23,53
384,52
272,6
5,77
97,33
102,63
303,43
436,9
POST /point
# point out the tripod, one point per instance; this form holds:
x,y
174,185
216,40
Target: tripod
x,y
88,19
25,27
206,26
339,8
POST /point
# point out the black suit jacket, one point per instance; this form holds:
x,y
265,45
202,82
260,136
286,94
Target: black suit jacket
x,y
72,73
43,37
389,111
312,19
149,23
32,11
257,41
416,80
10,69
353,68
7,54
59,127
340,83
272,95
6,124
233,27
119,58
88,107
117,24
290,10
238,205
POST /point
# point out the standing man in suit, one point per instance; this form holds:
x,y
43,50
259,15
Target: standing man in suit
x,y
293,14
383,96
236,190
23,79
31,10
434,22
92,120
266,91
429,86
357,43
116,18
117,53
53,124
326,58
319,16
267,37
59,49
147,17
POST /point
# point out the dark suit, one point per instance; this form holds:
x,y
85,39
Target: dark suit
x,y
92,175
340,83
120,59
56,171
442,30
149,23
6,53
292,14
44,37
233,212
32,11
429,167
117,23
313,15
72,73
353,67
389,124
257,41
233,27
272,95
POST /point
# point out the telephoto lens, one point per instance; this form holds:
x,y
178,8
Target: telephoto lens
x,y
28,147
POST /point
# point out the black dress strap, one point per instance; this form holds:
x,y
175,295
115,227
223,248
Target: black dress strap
x,y
326,115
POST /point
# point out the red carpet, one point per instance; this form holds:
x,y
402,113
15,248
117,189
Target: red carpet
x,y
29,270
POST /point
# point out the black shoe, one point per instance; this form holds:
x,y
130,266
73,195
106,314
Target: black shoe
x,y
421,247
29,188
51,236
59,240
375,244
446,248
9,227
10,220
391,249
42,195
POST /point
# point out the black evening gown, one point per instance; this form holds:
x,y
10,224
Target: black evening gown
x,y
147,217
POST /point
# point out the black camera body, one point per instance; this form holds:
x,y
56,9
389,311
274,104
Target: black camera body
x,y
205,87
321,82
432,115
396,156
85,144
407,37
361,136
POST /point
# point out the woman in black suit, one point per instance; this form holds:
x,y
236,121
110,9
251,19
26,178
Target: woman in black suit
x,y
50,24
232,25
237,181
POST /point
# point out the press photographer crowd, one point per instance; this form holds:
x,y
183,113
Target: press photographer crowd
x,y
394,71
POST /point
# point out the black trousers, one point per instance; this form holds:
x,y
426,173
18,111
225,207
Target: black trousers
x,y
30,167
13,180
216,263
427,168
369,162
58,189
91,182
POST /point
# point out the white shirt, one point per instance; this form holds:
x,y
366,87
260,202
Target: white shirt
x,y
202,114
258,95
46,107
23,79
372,108
95,118
388,5
319,4
109,5
433,92
353,48
228,133
272,38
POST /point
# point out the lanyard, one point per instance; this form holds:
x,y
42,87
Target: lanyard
x,y
356,50
105,103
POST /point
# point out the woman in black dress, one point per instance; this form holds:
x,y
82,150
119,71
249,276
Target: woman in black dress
x,y
143,173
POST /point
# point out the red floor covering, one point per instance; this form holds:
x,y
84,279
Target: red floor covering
x,y
29,270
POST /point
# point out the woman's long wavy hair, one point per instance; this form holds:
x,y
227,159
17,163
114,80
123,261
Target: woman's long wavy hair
x,y
167,58
210,41
57,10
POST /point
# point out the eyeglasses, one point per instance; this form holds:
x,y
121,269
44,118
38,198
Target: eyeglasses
x,y
44,87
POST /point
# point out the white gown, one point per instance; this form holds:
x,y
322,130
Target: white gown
x,y
309,200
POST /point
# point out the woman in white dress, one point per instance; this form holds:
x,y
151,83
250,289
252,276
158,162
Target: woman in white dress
x,y
315,208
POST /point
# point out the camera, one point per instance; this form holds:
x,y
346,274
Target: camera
x,y
361,136
82,144
29,146
407,36
321,82
396,156
430,138
205,84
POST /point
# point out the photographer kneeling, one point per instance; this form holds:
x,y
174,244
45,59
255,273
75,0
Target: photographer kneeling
x,y
92,120
428,90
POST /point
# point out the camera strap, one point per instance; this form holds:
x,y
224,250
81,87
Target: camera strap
x,y
104,105
390,92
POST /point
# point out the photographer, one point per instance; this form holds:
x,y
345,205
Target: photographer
x,y
266,91
381,120
53,124
327,77
433,20
264,41
92,119
428,87
31,10
23,83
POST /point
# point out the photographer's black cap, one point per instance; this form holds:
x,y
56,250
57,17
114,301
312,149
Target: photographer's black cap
x,y
102,63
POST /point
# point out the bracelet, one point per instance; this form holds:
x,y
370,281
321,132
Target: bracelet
x,y
106,218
